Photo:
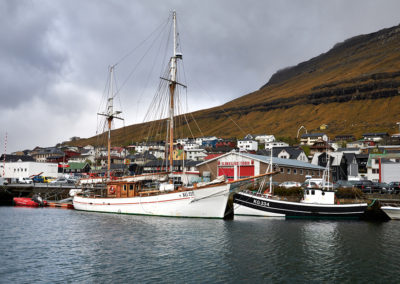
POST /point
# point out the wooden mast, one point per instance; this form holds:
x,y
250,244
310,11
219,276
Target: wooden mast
x,y
110,115
172,87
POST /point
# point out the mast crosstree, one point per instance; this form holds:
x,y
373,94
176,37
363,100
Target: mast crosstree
x,y
110,115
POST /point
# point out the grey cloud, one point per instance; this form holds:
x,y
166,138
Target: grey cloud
x,y
54,53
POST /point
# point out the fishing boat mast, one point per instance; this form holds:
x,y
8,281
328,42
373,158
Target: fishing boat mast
x,y
110,114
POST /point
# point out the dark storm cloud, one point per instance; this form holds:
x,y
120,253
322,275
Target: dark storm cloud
x,y
28,61
54,54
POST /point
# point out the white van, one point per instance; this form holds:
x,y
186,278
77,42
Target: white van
x,y
25,180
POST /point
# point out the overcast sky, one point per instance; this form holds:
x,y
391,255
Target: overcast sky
x,y
54,54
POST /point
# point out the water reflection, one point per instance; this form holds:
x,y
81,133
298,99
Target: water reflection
x,y
53,245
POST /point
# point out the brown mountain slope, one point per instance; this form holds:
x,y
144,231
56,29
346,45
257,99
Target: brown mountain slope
x,y
353,88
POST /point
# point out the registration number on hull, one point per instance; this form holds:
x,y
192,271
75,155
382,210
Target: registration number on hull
x,y
261,203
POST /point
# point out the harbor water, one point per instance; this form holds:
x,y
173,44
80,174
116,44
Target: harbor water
x,y
49,245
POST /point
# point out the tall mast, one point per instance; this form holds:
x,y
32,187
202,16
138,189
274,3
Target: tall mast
x,y
172,87
110,114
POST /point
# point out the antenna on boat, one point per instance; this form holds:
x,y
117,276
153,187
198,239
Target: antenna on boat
x,y
4,156
110,114
270,169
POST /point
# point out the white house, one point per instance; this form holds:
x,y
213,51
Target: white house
x,y
191,145
146,146
260,138
196,154
383,167
274,144
200,140
247,145
311,138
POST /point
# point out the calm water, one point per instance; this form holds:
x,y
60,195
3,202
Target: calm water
x,y
56,246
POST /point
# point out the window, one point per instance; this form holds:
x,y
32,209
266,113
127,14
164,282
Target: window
x,y
131,187
281,170
301,172
124,187
288,171
295,171
312,192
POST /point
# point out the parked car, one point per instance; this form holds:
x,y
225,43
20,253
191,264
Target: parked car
x,y
382,186
394,187
59,181
289,184
366,186
25,180
48,179
343,184
37,179
72,180
3,181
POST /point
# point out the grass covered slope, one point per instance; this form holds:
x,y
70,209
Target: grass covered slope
x,y
353,88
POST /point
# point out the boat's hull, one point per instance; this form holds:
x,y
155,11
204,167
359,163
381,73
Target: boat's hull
x,y
209,202
260,205
392,212
27,202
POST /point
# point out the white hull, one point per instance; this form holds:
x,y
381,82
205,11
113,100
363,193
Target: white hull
x,y
209,202
392,212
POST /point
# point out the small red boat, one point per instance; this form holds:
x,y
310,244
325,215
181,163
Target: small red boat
x,y
29,202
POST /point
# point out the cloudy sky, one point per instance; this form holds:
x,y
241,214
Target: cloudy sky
x,y
54,54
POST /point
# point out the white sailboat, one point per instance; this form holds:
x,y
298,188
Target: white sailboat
x,y
155,193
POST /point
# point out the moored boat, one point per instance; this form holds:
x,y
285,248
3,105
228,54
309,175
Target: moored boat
x,y
316,203
156,193
392,212
29,202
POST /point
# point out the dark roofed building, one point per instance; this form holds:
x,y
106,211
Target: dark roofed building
x,y
16,158
377,136
344,137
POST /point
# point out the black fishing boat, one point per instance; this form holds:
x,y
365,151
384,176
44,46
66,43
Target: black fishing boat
x,y
316,203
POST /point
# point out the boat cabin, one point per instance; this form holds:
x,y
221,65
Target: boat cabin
x,y
318,196
123,189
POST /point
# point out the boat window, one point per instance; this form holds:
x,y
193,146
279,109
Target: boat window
x,y
323,193
124,187
307,192
131,187
312,192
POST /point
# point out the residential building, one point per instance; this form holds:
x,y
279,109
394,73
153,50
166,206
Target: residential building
x,y
275,144
344,138
383,167
311,138
77,168
320,147
247,145
376,137
226,143
196,154
42,154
